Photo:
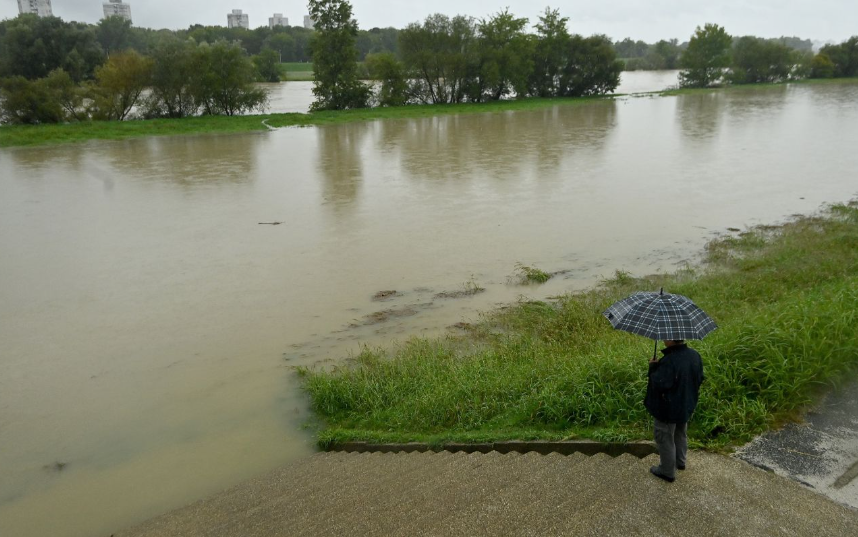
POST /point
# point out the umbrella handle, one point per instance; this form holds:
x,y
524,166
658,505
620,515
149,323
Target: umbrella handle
x,y
655,350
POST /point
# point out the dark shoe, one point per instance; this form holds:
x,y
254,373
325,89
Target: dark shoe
x,y
678,467
654,471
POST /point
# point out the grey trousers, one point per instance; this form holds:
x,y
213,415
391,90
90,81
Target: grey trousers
x,y
672,443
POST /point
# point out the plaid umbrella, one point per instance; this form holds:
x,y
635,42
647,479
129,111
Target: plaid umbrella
x,y
660,316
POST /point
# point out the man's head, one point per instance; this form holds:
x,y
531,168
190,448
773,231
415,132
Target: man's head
x,y
672,342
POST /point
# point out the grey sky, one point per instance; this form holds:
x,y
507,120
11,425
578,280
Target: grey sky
x,y
651,20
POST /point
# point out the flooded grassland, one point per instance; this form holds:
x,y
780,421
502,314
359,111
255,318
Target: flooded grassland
x,y
149,322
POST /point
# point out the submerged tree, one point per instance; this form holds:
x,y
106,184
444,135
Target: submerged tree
x,y
336,84
550,52
223,80
706,57
440,55
842,58
505,57
390,73
172,76
119,84
591,68
758,60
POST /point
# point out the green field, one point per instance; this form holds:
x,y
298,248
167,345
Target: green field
x,y
296,71
785,299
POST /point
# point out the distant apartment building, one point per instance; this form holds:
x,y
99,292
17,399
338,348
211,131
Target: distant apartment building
x,y
116,8
309,23
41,8
278,20
237,19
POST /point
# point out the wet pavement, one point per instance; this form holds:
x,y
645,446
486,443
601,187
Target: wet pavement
x,y
821,452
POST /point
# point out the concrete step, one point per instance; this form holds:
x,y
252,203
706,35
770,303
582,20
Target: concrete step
x,y
421,500
300,490
399,478
510,494
495,508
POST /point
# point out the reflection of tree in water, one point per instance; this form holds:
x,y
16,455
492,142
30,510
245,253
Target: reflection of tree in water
x,y
188,160
750,103
340,161
699,114
500,144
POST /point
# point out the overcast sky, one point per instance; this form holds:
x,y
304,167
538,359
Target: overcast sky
x,y
647,20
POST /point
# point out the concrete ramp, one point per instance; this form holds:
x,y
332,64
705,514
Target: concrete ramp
x,y
478,494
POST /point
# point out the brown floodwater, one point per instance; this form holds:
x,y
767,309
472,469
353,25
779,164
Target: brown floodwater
x,y
149,323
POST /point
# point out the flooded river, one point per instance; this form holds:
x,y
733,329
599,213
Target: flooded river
x,y
298,96
149,322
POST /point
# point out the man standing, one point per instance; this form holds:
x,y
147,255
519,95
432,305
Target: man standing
x,y
671,397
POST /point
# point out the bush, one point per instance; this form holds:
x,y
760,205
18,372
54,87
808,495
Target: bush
x,y
27,102
390,73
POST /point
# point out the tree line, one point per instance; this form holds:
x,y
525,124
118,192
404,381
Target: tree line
x,y
714,57
54,71
459,59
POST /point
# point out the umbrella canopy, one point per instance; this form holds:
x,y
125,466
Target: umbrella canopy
x,y
660,316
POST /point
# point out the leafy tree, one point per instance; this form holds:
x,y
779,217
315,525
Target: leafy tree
x,y
173,73
629,48
394,89
119,84
756,60
32,47
283,44
69,95
336,84
706,57
794,43
114,34
376,41
844,57
505,61
592,67
439,55
29,102
266,65
667,52
223,81
549,55
822,66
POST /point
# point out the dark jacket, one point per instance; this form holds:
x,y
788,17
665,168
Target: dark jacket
x,y
674,384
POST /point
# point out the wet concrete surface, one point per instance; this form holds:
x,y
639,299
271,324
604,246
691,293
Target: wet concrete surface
x,y
821,452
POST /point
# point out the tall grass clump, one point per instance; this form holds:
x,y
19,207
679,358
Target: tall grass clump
x,y
785,299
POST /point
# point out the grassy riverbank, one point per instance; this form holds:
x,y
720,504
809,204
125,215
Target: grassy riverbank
x,y
31,135
785,298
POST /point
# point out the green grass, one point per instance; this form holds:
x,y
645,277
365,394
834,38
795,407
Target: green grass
x,y
527,274
296,71
785,299
31,135
729,87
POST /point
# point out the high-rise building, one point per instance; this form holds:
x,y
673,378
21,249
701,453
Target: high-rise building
x,y
309,23
278,20
41,8
116,8
237,19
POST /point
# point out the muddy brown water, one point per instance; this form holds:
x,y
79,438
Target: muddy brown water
x,y
149,322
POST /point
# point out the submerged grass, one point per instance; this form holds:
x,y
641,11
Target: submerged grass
x,y
785,300
31,135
